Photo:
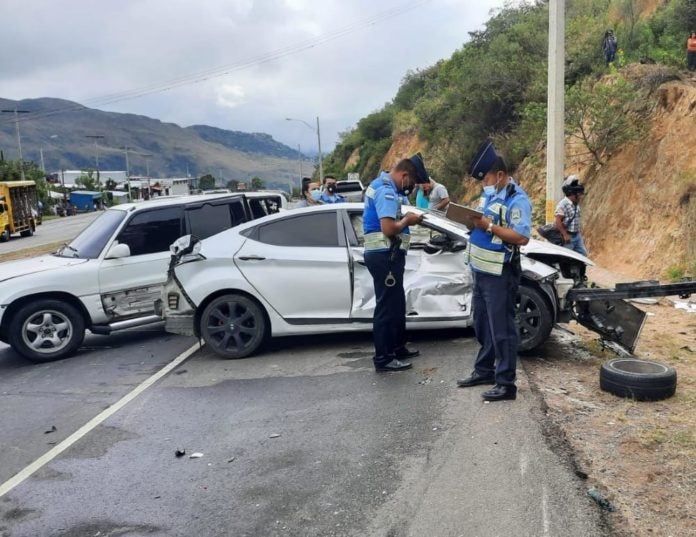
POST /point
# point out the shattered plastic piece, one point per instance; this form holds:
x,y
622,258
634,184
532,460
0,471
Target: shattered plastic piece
x,y
274,435
196,455
600,499
231,459
51,430
179,453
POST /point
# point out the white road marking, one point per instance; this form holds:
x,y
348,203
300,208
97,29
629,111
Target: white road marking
x,y
545,509
47,457
524,462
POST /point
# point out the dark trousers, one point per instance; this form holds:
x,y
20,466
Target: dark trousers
x,y
494,323
691,60
389,321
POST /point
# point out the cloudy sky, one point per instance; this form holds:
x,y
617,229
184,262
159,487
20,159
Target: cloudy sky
x,y
236,64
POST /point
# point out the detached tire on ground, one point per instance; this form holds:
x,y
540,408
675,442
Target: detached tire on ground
x,y
234,326
638,379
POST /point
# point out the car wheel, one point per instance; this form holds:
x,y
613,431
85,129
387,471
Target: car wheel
x,y
638,379
27,232
46,330
5,235
234,326
533,318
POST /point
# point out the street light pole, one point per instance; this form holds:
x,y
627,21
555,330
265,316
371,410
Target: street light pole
x,y
19,138
318,133
130,196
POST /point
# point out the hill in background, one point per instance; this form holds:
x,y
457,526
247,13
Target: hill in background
x,y
63,128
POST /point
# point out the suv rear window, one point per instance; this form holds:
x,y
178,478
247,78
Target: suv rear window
x,y
212,218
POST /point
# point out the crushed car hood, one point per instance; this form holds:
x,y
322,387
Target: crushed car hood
x,y
14,269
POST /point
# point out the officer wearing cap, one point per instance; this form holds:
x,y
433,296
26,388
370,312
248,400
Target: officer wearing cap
x,y
494,259
386,244
567,215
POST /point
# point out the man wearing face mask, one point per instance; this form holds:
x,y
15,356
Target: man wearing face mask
x,y
329,194
495,262
386,244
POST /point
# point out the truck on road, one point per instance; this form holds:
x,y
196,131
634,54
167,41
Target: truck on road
x,y
18,209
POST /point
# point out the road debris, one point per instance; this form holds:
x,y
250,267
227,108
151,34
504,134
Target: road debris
x,y
51,430
231,459
600,499
179,453
196,455
274,435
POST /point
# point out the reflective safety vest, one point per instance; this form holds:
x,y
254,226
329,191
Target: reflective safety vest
x,y
375,240
487,252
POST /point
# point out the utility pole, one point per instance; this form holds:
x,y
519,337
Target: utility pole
x,y
555,118
96,153
130,196
299,158
321,157
16,113
43,166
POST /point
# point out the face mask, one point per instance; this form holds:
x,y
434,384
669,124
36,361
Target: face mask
x,y
331,189
489,190
316,194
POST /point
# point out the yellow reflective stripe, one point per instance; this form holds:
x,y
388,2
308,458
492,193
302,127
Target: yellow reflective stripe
x,y
378,240
485,260
487,255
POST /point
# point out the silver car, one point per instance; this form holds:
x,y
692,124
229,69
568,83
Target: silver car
x,y
303,272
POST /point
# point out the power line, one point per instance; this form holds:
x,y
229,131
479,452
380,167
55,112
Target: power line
x,y
215,72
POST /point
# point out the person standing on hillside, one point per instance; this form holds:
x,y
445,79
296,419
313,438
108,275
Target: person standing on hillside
x,y
387,239
609,46
438,197
494,257
691,51
568,215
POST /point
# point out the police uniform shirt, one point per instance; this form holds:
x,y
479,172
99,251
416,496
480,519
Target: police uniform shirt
x,y
328,198
516,212
382,201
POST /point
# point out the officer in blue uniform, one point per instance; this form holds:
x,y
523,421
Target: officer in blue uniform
x,y
494,259
386,244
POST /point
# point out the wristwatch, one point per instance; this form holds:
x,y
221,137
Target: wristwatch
x,y
489,229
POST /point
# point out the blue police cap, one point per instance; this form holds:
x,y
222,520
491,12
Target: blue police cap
x,y
421,172
483,160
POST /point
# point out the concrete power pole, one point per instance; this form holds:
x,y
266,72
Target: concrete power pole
x,y
555,119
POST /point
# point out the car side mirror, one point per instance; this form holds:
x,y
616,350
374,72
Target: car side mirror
x,y
118,251
184,245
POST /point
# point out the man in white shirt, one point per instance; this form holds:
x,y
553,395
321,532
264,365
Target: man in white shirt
x,y
438,197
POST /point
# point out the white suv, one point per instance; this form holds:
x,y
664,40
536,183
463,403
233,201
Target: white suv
x,y
109,276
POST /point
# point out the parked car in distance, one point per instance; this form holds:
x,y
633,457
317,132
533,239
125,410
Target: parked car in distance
x,y
303,272
109,276
350,189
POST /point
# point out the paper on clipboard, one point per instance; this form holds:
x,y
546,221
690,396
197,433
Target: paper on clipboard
x,y
463,215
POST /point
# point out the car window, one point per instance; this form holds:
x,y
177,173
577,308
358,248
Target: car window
x,y
356,220
90,243
212,218
149,232
307,230
261,207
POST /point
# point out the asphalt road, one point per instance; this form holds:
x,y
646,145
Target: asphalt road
x,y
54,230
304,439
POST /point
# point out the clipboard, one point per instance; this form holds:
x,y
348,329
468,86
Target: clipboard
x,y
463,215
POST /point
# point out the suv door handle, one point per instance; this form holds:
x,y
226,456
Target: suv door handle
x,y
251,258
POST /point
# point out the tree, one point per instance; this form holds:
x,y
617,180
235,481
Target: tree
x,y
87,181
257,183
600,115
110,184
207,182
232,184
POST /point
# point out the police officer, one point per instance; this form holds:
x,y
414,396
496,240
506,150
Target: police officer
x,y
329,194
386,243
494,259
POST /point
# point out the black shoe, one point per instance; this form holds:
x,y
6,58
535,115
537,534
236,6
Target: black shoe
x,y
404,354
474,380
500,392
394,365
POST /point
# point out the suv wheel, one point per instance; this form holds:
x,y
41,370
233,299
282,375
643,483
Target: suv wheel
x,y
46,330
234,326
5,235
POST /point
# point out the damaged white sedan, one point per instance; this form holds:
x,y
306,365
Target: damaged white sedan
x,y
303,272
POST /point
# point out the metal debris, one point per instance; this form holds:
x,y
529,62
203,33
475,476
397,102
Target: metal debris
x,y
600,499
51,430
179,453
196,455
275,435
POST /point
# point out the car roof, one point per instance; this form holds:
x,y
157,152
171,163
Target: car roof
x,y
168,201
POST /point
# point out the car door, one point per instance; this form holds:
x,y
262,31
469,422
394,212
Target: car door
x,y
130,285
438,285
299,264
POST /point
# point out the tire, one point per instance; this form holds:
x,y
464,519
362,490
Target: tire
x,y
46,330
27,232
5,235
533,318
234,326
638,379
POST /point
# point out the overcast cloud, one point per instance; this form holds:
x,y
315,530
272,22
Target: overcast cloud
x,y
84,50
